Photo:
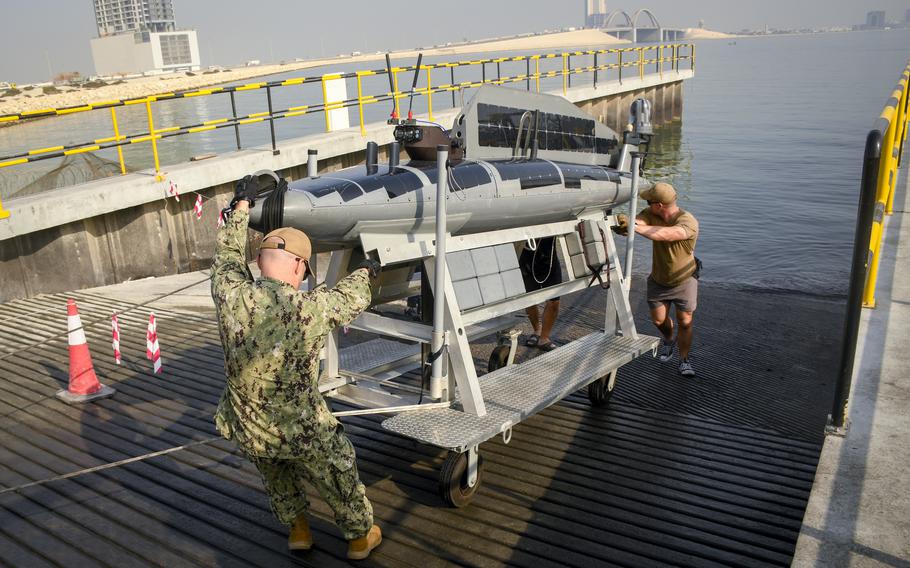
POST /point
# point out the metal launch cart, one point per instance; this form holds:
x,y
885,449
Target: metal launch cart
x,y
460,411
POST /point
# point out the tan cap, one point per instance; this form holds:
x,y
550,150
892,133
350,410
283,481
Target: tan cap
x,y
661,192
293,241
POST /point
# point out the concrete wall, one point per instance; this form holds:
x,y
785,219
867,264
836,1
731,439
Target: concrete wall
x,y
125,227
613,110
121,53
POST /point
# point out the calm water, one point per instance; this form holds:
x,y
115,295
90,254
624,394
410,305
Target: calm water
x,y
768,155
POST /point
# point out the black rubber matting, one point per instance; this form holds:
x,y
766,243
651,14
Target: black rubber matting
x,y
691,472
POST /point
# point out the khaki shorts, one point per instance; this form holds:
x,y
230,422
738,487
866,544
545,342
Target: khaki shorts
x,y
685,296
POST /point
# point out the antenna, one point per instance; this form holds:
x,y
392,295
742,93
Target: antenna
x,y
388,66
414,85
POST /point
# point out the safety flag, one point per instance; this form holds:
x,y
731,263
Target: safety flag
x,y
172,190
197,208
115,329
152,351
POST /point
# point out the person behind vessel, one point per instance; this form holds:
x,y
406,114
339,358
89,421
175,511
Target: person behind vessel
x,y
540,269
674,269
271,406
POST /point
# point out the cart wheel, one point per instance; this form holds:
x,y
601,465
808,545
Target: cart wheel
x,y
600,391
453,480
498,358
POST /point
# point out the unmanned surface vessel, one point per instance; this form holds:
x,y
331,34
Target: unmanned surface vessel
x,y
515,159
514,168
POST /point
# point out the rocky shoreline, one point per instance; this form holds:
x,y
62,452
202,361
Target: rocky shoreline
x,y
27,101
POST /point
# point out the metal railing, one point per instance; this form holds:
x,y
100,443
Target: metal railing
x,y
891,126
881,160
645,60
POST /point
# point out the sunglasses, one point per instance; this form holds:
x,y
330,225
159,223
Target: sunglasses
x,y
306,265
654,203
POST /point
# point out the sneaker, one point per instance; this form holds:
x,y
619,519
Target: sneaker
x,y
300,537
360,548
685,368
665,351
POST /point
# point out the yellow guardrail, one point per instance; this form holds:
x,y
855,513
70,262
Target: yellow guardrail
x,y
642,60
892,126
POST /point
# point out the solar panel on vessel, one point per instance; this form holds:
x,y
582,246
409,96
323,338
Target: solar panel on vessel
x,y
530,173
465,175
400,183
497,127
350,191
396,184
331,186
574,173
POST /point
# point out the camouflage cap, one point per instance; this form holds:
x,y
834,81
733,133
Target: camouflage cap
x,y
661,192
293,241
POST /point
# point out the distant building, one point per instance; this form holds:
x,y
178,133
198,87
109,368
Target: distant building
x,y
875,20
141,36
119,16
595,13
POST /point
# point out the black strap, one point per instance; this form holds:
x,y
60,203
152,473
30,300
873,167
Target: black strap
x,y
596,269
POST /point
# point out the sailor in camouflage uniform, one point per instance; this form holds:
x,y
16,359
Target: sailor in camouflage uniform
x,y
271,406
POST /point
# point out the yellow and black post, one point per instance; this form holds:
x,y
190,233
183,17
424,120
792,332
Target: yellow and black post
x,y
268,94
153,138
837,420
118,138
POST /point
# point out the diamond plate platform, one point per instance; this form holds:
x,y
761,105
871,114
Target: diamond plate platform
x,y
515,393
375,353
381,354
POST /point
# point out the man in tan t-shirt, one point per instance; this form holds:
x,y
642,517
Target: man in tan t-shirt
x,y
673,232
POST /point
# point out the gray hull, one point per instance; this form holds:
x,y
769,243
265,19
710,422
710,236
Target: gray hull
x,y
483,195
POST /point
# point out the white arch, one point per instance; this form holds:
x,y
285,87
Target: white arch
x,y
654,22
613,14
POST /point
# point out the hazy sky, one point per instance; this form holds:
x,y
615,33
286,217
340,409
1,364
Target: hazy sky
x,y
43,34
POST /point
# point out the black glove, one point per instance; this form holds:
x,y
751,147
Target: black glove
x,y
373,267
247,189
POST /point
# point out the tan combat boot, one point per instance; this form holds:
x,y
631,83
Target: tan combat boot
x,y
360,548
300,537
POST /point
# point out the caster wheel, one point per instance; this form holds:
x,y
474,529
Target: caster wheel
x,y
498,358
601,390
453,480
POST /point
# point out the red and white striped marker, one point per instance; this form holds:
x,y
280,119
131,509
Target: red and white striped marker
x,y
172,190
197,208
115,330
221,219
152,351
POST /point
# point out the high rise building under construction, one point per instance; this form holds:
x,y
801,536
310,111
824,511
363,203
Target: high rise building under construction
x,y
119,16
595,13
141,36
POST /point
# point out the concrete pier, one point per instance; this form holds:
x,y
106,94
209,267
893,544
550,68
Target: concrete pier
x,y
125,227
859,509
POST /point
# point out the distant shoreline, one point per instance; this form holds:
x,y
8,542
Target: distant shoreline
x,y
175,82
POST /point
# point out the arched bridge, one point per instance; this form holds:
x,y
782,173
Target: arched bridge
x,y
640,27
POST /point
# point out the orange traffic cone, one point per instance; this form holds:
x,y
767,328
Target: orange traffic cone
x,y
84,385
